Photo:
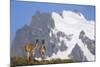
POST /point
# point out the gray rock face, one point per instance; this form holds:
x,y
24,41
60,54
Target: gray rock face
x,y
87,41
63,46
77,54
23,36
62,34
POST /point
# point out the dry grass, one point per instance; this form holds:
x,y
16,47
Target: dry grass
x,y
21,61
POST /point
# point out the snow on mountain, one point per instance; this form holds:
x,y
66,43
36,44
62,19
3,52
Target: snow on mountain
x,y
63,35
72,23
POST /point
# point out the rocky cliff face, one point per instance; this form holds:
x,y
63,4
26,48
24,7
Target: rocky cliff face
x,y
77,54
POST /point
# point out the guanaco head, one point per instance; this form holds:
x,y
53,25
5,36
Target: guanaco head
x,y
36,44
43,46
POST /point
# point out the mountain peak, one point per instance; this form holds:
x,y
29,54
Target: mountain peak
x,y
60,33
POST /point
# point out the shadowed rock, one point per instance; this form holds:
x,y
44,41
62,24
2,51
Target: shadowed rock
x,y
77,54
87,41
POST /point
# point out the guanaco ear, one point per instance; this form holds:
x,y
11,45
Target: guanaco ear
x,y
43,41
37,40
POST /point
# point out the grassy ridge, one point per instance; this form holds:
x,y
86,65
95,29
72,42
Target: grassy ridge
x,y
21,61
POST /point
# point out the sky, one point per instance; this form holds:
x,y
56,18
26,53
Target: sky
x,y
22,12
